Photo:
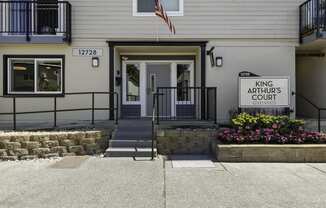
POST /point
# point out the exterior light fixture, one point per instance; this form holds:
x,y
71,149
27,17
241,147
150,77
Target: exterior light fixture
x,y
210,53
95,62
219,61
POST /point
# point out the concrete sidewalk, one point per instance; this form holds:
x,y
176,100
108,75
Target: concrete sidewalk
x,y
120,183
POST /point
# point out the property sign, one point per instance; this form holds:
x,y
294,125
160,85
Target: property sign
x,y
87,52
264,92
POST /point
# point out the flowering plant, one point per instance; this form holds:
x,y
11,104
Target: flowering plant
x,y
268,136
268,129
252,122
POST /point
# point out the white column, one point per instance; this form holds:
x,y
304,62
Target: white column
x,y
173,84
143,84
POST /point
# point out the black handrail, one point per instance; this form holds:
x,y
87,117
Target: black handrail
x,y
55,110
153,124
319,109
36,17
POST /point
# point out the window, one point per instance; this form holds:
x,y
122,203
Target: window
x,y
146,7
183,82
132,77
34,75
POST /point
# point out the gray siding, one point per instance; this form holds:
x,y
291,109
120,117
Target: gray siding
x,y
202,19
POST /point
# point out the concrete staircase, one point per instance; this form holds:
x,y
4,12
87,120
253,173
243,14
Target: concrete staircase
x,y
132,138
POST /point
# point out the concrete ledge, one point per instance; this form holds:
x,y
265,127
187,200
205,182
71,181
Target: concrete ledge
x,y
271,153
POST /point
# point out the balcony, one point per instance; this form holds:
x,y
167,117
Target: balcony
x,y
41,21
312,20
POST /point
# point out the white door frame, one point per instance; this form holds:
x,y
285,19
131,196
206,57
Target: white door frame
x,y
143,82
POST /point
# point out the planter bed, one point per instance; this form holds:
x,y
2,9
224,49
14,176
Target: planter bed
x,y
268,138
270,152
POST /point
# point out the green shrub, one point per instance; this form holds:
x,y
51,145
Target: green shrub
x,y
284,124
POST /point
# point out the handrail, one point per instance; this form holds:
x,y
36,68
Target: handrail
x,y
21,17
319,109
153,123
192,105
56,110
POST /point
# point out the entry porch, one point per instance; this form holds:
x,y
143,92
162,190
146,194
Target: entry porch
x,y
162,80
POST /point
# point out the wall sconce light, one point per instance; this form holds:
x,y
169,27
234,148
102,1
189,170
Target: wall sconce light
x,y
95,62
219,61
210,53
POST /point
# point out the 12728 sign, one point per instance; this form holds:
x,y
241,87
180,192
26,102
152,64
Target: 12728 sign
x,y
87,52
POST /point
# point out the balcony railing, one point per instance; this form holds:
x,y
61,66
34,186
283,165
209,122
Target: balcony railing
x,y
36,18
312,18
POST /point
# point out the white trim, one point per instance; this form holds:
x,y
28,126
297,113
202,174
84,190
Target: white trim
x,y
124,82
35,92
142,89
151,14
173,83
144,82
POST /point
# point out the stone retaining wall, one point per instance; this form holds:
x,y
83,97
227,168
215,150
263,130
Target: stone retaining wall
x,y
271,153
32,145
184,141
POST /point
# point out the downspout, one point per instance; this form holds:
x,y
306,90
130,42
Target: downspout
x,y
203,80
111,79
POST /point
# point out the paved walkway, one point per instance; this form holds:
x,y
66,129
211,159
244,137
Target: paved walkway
x,y
121,183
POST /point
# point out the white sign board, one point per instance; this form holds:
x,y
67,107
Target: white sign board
x,y
264,92
87,52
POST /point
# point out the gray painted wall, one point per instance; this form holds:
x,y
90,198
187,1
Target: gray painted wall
x,y
263,58
311,73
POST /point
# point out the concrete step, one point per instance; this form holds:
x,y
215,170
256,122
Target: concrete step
x,y
129,152
134,123
134,128
130,143
129,134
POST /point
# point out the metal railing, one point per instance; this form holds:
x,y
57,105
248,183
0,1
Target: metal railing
x,y
30,18
186,103
319,109
312,17
154,135
183,103
55,109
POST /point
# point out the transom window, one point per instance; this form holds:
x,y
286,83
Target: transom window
x,y
146,7
34,75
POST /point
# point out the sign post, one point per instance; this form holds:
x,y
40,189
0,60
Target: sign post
x,y
264,92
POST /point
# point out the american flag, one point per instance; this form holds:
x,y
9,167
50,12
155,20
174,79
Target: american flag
x,y
160,12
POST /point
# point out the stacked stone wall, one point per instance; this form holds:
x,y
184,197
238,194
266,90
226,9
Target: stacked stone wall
x,y
32,145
